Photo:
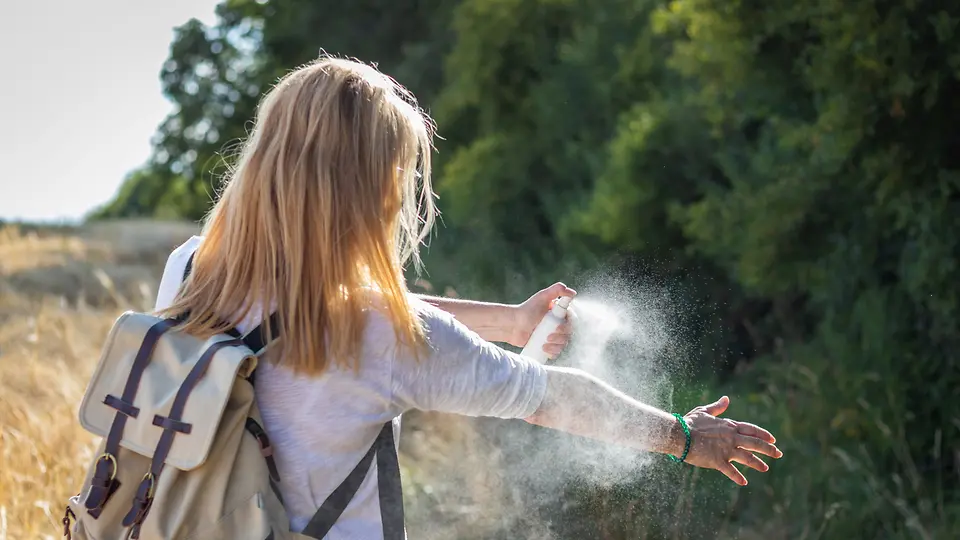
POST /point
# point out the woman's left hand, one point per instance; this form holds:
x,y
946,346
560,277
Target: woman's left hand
x,y
717,442
529,314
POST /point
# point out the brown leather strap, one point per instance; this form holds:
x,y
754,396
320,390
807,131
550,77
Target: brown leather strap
x,y
121,405
110,489
144,495
166,422
266,450
101,486
140,363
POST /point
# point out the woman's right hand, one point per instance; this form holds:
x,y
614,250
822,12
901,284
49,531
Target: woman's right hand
x,y
716,442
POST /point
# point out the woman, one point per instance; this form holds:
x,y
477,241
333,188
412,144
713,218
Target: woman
x,y
331,196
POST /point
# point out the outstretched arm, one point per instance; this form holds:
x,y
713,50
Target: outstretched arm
x,y
509,323
579,403
491,321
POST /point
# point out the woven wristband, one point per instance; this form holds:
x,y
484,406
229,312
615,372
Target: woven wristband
x,y
686,447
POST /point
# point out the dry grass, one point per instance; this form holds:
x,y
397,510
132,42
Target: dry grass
x,y
60,291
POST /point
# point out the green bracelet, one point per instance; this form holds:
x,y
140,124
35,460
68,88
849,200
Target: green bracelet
x,y
686,447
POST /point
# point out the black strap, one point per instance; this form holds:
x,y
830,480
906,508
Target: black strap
x,y
256,339
388,483
389,486
186,271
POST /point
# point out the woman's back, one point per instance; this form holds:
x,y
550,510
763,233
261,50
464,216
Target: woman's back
x,y
321,426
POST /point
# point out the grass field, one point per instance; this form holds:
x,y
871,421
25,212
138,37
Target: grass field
x,y
60,291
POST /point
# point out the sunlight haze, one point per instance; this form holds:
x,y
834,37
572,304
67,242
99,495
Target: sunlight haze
x,y
83,98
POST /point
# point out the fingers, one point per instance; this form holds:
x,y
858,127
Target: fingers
x,y
732,473
557,341
756,445
552,350
751,430
558,289
717,407
750,460
562,333
561,336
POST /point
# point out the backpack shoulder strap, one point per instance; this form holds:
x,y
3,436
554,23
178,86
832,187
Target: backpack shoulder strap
x,y
256,339
188,268
388,485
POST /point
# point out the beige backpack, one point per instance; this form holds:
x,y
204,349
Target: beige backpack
x,y
184,454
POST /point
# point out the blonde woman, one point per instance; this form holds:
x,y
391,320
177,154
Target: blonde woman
x,y
329,199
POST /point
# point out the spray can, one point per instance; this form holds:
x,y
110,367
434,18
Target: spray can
x,y
548,325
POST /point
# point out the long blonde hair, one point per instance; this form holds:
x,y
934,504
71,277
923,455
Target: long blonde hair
x,y
329,199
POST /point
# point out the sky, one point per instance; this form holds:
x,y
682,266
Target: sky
x,y
81,98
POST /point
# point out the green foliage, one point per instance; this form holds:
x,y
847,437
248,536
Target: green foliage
x,y
791,168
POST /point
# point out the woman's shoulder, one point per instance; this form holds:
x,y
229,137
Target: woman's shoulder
x,y
177,261
432,317
188,247
436,320
441,329
173,271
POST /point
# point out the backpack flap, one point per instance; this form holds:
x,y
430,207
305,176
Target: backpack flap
x,y
147,360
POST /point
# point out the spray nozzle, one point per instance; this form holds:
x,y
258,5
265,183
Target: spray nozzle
x,y
561,305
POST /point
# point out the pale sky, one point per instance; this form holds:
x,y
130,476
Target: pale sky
x,y
80,89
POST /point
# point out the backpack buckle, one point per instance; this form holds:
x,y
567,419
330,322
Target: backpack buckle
x,y
141,504
103,484
266,449
113,464
152,486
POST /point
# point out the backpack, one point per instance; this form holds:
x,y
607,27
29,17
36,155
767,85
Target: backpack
x,y
184,453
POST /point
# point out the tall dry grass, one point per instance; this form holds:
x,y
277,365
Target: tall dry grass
x,y
60,291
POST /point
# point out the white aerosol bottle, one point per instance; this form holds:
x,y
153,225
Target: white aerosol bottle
x,y
548,325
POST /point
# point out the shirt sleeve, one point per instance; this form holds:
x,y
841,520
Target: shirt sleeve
x,y
461,373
